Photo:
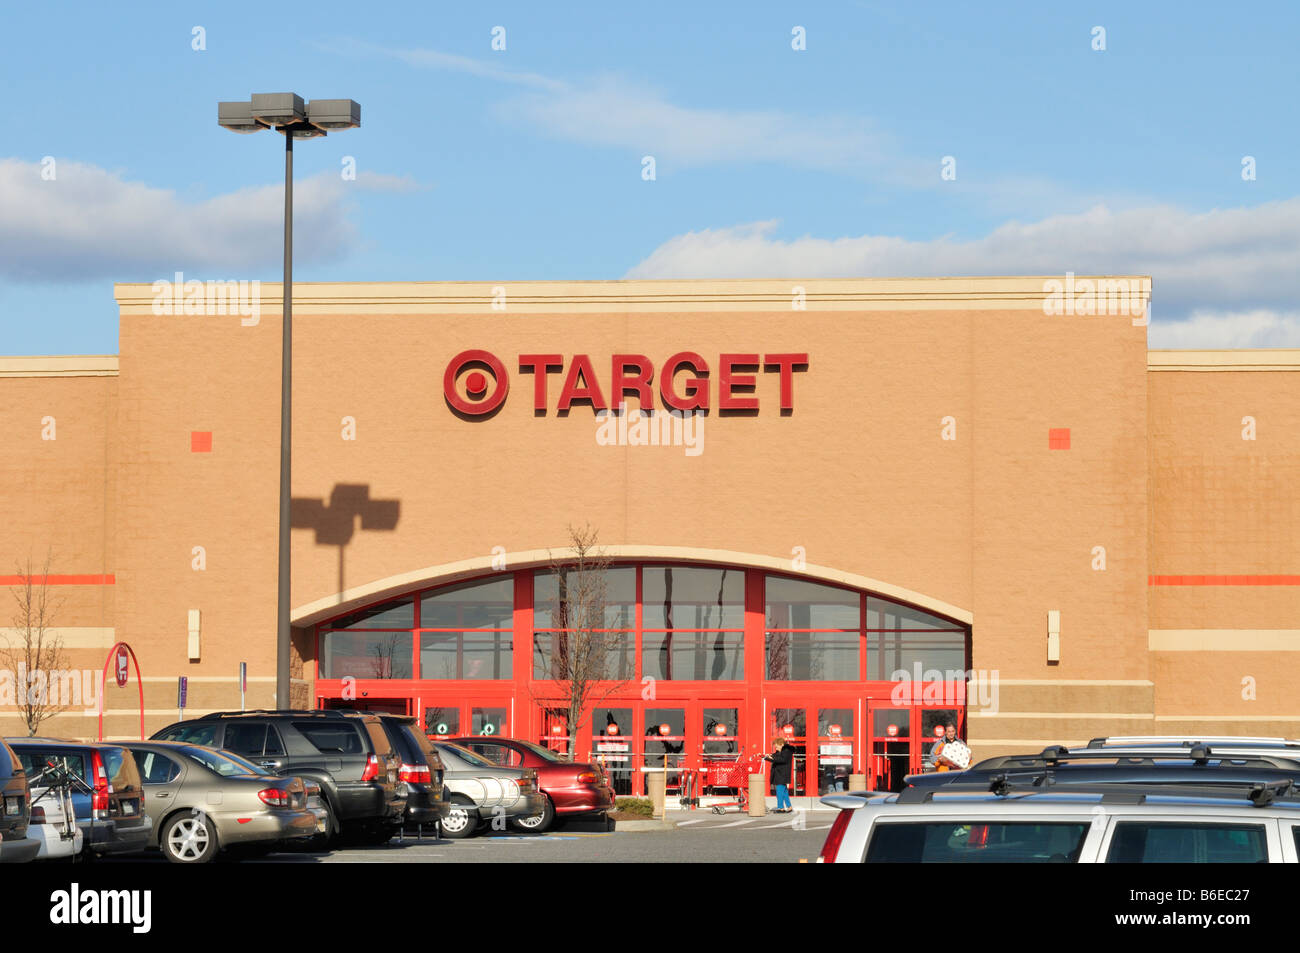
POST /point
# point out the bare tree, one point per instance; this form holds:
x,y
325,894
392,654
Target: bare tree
x,y
38,653
585,656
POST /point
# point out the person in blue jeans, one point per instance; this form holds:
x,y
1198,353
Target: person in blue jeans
x,y
781,758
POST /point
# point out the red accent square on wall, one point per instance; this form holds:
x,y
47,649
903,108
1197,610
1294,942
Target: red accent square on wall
x,y
200,441
1058,438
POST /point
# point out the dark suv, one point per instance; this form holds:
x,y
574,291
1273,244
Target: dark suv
x,y
15,810
108,800
347,753
422,771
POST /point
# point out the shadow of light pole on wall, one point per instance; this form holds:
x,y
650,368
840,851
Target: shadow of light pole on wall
x,y
335,521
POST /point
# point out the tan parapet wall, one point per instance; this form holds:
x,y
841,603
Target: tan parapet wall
x,y
751,294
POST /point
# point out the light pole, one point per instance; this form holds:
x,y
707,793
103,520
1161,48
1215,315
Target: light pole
x,y
287,114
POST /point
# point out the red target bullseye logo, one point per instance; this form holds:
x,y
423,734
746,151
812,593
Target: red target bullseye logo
x,y
483,393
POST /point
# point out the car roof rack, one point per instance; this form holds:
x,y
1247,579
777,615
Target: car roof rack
x,y
407,719
1258,793
1199,754
324,712
1176,740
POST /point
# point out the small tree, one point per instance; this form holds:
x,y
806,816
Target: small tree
x,y
38,653
586,659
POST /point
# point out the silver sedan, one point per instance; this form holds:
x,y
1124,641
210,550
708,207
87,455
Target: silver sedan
x,y
205,801
480,792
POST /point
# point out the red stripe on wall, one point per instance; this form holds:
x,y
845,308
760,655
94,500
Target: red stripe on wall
x,y
56,580
1274,580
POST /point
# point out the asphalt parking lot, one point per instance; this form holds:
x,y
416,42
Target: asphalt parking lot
x,y
698,838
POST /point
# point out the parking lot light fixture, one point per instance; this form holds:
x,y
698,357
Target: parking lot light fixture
x,y
288,114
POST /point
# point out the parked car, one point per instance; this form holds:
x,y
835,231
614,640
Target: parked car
x,y
54,818
1111,823
16,847
207,802
422,771
109,800
480,791
1199,765
347,753
568,788
315,802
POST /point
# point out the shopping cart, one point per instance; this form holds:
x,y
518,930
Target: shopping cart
x,y
732,774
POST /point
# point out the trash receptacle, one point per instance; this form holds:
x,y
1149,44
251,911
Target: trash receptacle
x,y
656,787
757,795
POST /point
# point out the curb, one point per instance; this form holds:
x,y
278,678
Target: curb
x,y
640,826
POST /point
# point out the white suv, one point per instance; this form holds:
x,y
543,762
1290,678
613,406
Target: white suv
x,y
1124,824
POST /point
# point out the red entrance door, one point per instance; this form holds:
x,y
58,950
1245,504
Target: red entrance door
x,y
893,747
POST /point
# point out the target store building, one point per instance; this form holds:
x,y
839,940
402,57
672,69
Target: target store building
x,y
841,511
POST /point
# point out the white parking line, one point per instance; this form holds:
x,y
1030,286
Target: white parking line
x,y
742,821
698,820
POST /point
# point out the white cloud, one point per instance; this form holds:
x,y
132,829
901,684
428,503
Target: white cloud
x,y
1211,330
611,112
1229,261
88,223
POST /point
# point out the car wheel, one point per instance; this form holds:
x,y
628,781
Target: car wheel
x,y
189,839
539,823
462,818
325,839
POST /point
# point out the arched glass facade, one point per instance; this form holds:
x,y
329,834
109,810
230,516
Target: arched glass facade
x,y
689,663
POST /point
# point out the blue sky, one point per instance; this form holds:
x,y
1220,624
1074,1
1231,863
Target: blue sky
x,y
526,163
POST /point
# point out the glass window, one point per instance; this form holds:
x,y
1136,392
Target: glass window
x,y
721,731
703,656
812,656
195,734
885,718
798,604
399,614
1150,842
615,589
156,768
273,743
795,718
556,654
366,654
478,654
665,734
488,721
681,597
34,762
442,721
331,737
883,614
895,656
218,763
246,739
476,605
975,842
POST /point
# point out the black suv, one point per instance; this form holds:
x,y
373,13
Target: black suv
x,y
347,753
15,810
422,771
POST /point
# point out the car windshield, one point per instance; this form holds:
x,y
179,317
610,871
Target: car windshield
x,y
544,753
464,754
222,764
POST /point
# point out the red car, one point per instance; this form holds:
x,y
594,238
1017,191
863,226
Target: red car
x,y
569,787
